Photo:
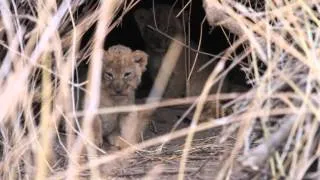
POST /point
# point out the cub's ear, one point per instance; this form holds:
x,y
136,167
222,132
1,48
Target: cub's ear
x,y
106,56
140,58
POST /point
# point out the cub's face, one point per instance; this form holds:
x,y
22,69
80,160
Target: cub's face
x,y
122,70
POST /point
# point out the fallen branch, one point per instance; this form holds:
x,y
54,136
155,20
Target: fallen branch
x,y
258,156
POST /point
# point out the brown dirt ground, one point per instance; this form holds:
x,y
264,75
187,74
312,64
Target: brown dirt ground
x,y
204,161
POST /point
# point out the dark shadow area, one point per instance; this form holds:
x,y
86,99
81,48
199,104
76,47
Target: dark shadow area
x,y
214,39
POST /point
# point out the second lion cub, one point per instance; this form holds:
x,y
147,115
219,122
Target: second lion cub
x,y
121,74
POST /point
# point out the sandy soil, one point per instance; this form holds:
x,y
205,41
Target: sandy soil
x,y
205,158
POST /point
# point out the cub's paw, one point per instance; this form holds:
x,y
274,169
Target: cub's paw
x,y
98,140
122,143
118,141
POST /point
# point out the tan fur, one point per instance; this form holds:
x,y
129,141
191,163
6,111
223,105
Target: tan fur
x,y
121,75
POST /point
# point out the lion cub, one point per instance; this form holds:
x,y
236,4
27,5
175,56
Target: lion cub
x,y
121,74
184,80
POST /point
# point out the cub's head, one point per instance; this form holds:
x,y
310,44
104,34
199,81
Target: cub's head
x,y
162,18
122,70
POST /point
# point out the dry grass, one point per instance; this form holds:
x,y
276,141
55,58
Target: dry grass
x,y
275,125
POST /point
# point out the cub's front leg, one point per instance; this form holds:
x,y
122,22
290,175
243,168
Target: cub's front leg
x,y
110,128
115,138
98,131
104,129
132,126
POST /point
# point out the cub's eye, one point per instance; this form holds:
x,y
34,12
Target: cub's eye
x,y
127,74
108,75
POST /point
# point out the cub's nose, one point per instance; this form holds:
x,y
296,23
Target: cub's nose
x,y
118,91
118,88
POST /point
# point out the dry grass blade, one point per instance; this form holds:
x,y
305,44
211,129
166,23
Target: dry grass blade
x,y
107,12
196,116
271,131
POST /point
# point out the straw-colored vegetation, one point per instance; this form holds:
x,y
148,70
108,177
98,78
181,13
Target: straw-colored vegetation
x,y
272,132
